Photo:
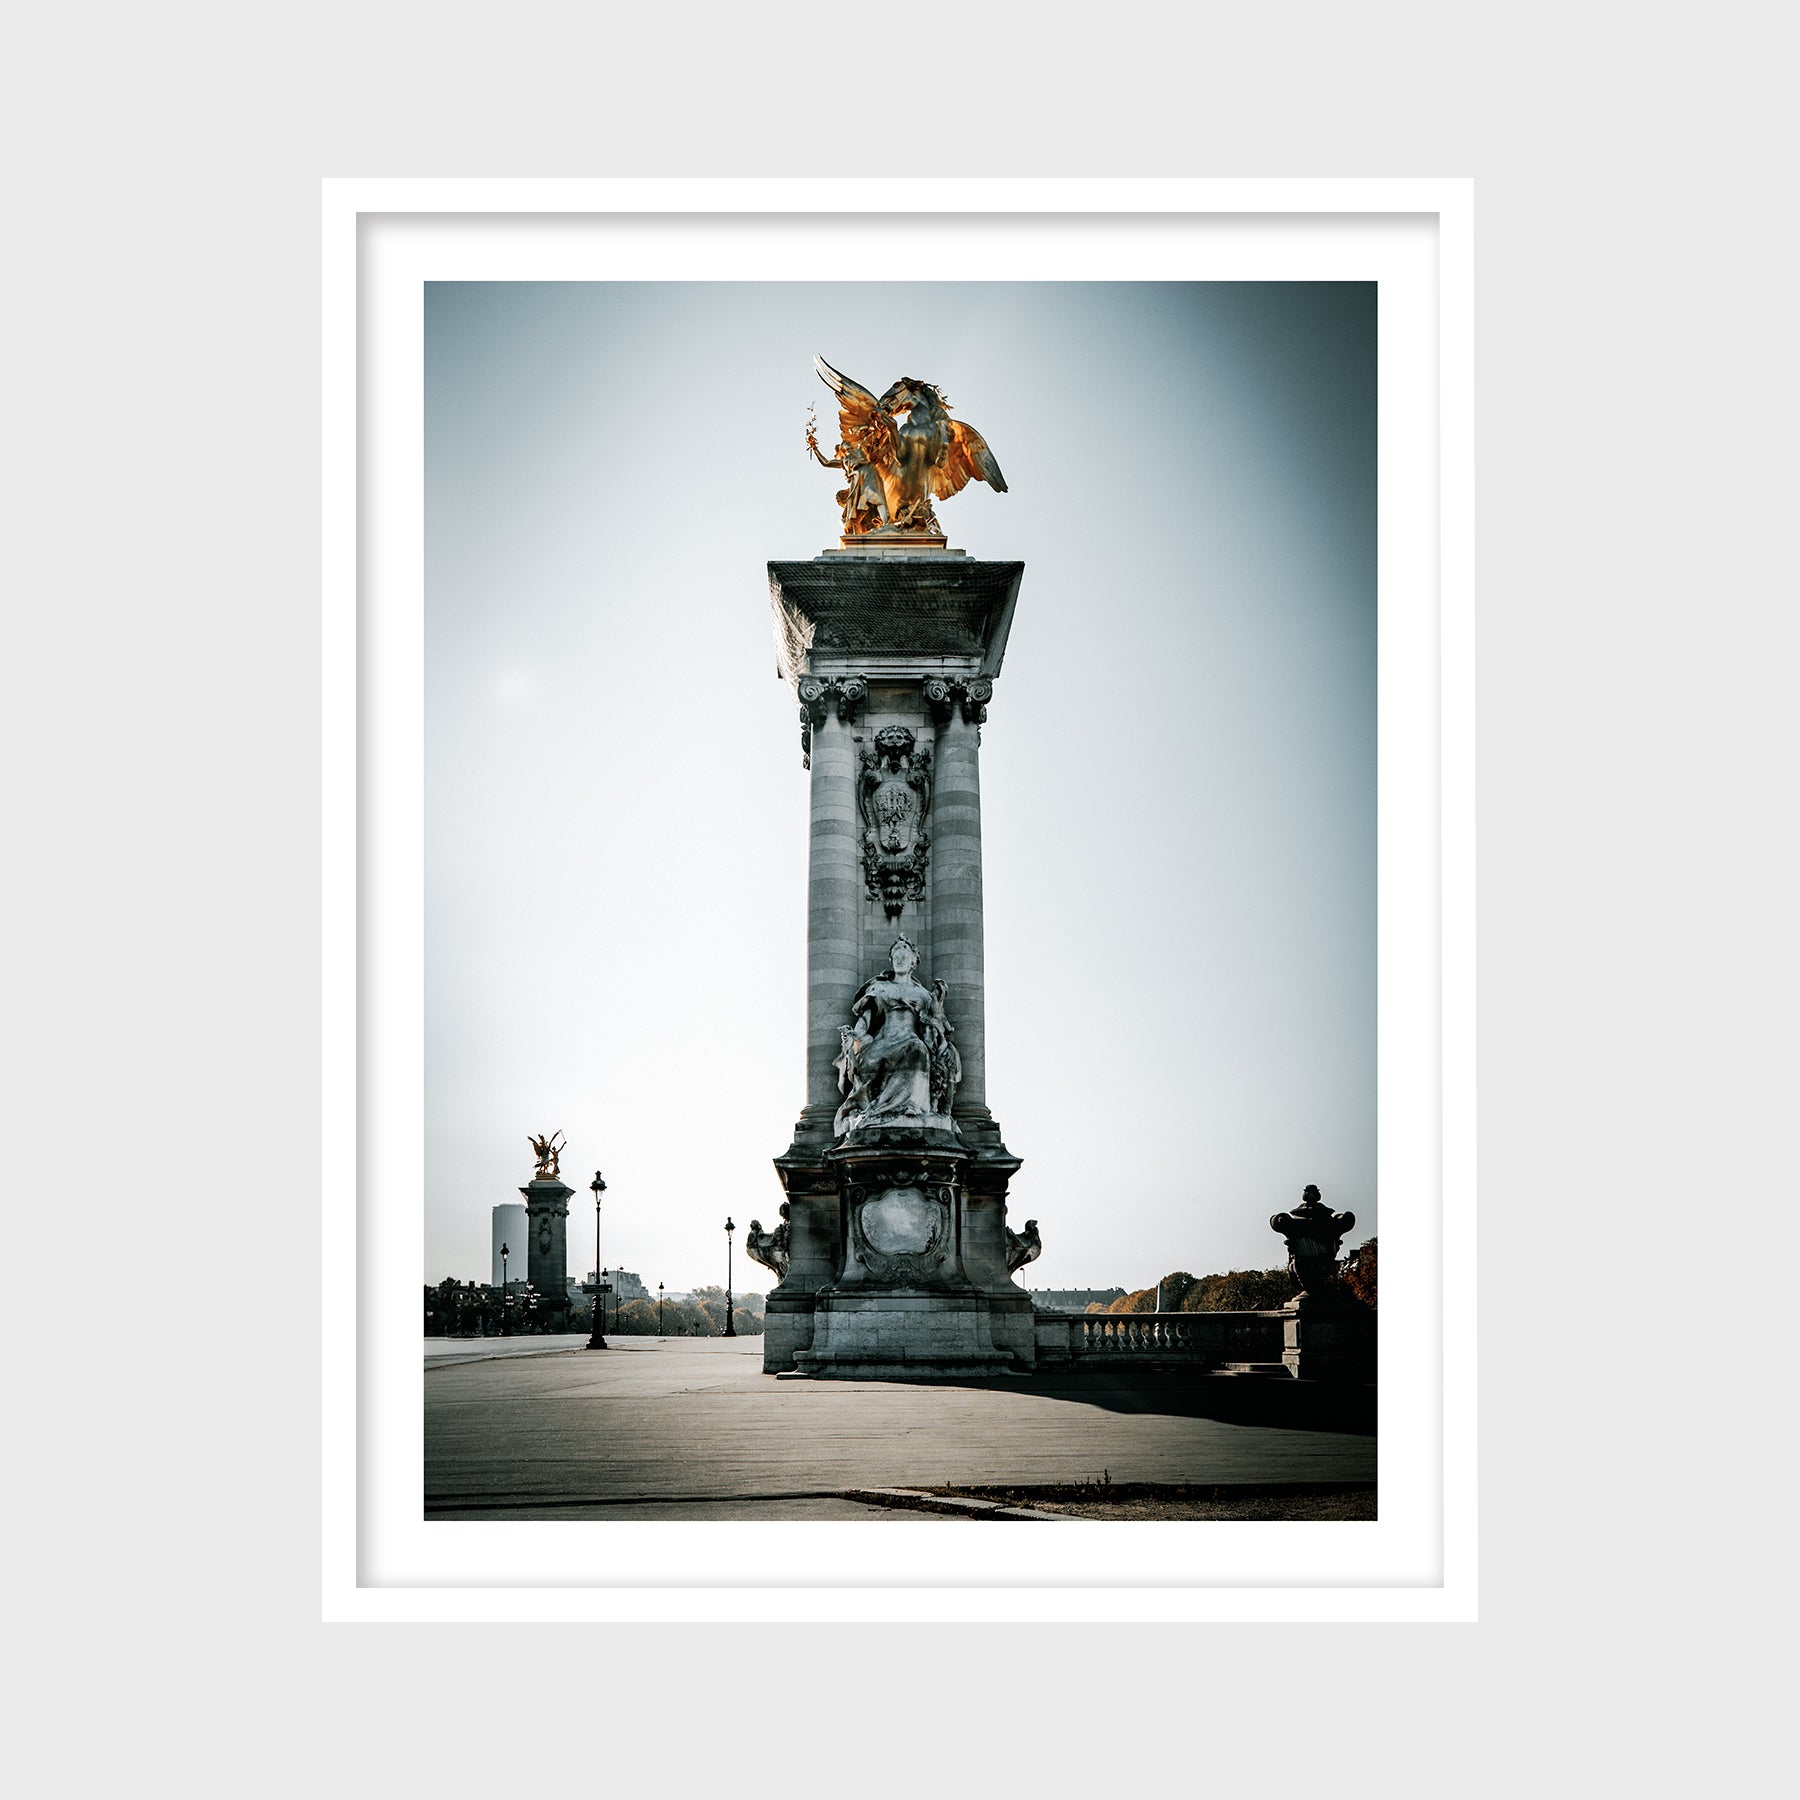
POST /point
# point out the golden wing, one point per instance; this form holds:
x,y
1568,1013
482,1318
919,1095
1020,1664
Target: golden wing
x,y
968,459
861,421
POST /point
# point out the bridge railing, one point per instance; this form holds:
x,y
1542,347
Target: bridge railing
x,y
1208,1339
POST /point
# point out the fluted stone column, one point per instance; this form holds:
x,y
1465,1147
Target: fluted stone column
x,y
828,708
834,880
957,944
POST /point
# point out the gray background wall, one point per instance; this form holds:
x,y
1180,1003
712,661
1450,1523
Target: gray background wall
x,y
161,728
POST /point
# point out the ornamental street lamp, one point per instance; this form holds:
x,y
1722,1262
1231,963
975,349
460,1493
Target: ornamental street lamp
x,y
659,1304
597,1341
730,1329
504,1253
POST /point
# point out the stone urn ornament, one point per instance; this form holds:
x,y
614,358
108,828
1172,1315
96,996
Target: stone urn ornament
x,y
1314,1233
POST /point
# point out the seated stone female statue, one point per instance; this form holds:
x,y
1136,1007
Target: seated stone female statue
x,y
896,1049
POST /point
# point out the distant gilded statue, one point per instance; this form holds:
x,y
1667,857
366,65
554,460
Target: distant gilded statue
x,y
899,1060
898,454
548,1150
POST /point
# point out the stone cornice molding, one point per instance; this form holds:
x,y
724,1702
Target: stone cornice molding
x,y
849,606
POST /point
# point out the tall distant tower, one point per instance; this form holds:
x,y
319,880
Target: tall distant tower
x,y
510,1230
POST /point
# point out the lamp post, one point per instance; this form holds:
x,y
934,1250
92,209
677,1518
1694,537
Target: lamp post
x,y
730,1329
659,1301
504,1253
597,1341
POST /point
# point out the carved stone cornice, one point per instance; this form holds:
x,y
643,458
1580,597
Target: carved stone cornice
x,y
819,696
849,607
945,693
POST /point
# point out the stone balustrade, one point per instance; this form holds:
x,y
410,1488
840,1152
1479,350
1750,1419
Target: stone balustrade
x,y
1210,1339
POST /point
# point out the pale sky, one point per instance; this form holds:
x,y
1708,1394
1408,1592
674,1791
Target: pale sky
x,y
1178,769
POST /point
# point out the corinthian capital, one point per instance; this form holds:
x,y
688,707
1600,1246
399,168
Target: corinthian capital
x,y
944,694
848,694
819,696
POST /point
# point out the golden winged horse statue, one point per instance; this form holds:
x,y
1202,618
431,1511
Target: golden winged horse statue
x,y
898,454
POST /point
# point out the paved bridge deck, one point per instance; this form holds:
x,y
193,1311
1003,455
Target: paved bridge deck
x,y
692,1428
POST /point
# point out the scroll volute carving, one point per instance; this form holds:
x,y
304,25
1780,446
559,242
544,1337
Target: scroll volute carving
x,y
821,695
946,695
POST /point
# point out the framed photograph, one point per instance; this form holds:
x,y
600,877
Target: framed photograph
x,y
899,900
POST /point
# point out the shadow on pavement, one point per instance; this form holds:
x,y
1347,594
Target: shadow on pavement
x,y
1230,1399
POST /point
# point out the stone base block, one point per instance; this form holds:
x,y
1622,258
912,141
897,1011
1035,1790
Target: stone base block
x,y
1056,1337
904,1337
787,1329
1013,1327
1327,1340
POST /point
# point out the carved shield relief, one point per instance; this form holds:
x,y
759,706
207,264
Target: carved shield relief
x,y
901,1224
894,791
896,813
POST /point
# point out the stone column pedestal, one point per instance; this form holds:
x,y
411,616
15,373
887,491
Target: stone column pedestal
x,y
902,1304
897,1243
815,1237
547,1238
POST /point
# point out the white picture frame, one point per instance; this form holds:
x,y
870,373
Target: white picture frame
x,y
382,240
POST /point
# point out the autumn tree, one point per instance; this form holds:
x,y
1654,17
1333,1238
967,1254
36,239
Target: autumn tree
x,y
1241,1290
635,1318
1168,1294
1359,1273
1142,1300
